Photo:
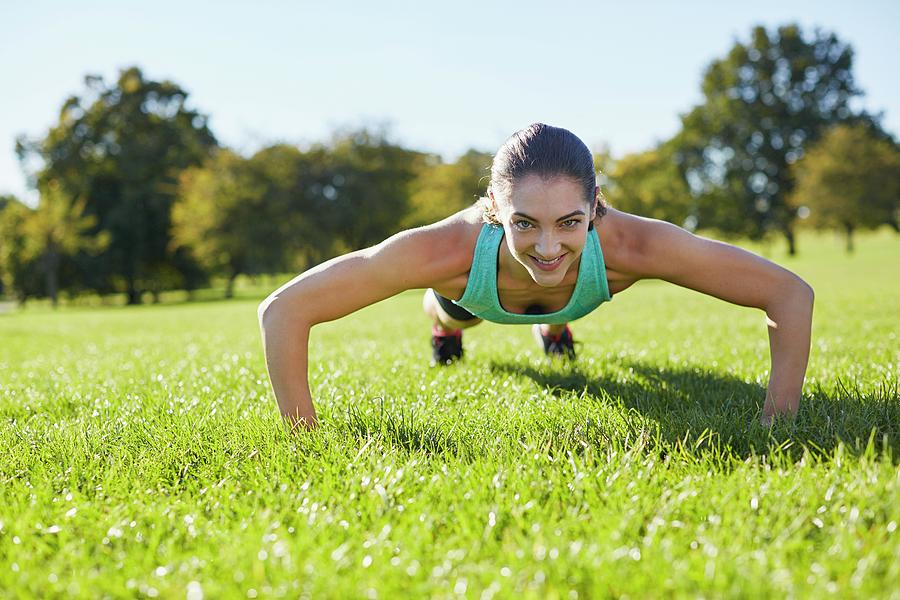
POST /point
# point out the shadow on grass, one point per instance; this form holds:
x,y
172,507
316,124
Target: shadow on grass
x,y
402,430
701,411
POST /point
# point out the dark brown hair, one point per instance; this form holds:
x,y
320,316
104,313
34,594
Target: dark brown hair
x,y
547,152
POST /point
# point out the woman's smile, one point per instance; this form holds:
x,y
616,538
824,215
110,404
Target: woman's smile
x,y
547,265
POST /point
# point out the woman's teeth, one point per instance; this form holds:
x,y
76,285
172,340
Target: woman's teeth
x,y
547,265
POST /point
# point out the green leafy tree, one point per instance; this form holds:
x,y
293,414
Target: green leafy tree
x,y
651,184
287,209
58,229
441,189
367,196
763,104
850,179
301,192
18,270
245,216
121,148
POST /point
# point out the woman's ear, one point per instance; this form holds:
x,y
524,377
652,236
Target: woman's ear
x,y
493,200
596,203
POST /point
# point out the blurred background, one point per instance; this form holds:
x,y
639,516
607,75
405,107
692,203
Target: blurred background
x,y
150,151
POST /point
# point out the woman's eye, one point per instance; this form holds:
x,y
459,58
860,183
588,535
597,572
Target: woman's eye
x,y
523,225
571,223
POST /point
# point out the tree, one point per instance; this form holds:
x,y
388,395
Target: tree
x,y
121,148
763,104
55,230
850,179
650,184
18,270
241,215
300,190
286,209
367,196
441,189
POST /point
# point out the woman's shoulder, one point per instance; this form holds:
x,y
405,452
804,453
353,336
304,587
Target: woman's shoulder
x,y
449,244
634,246
459,230
468,218
612,229
621,236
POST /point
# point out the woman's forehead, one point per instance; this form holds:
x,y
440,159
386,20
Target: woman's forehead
x,y
538,182
558,194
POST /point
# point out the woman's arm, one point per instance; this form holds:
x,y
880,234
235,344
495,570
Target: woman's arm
x,y
412,259
655,249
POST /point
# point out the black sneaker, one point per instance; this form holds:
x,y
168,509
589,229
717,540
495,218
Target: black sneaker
x,y
555,345
446,347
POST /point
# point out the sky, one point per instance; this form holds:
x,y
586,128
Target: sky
x,y
442,76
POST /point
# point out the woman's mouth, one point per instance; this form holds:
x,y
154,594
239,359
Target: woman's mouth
x,y
547,265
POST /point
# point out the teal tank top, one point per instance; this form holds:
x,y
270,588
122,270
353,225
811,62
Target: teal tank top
x,y
481,298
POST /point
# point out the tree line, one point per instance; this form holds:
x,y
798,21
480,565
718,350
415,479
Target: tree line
x,y
136,195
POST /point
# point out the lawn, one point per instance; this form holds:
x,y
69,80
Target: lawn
x,y
141,453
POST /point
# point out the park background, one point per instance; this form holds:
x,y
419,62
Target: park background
x,y
173,154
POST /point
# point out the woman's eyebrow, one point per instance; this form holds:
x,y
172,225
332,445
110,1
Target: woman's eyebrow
x,y
574,213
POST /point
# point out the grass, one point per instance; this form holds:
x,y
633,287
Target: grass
x,y
141,454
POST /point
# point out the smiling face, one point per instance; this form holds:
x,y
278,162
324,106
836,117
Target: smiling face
x,y
546,224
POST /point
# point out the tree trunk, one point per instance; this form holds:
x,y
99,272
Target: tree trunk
x,y
134,296
791,240
848,229
51,263
229,287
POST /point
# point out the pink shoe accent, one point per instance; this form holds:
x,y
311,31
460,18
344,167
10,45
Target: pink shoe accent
x,y
557,338
438,331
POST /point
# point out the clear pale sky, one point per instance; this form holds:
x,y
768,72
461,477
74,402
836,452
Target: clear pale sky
x,y
445,76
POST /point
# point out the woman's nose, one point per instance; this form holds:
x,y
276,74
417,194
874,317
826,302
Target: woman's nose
x,y
547,246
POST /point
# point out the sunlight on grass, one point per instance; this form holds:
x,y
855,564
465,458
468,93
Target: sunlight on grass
x,y
142,454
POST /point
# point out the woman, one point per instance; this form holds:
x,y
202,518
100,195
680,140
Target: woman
x,y
543,202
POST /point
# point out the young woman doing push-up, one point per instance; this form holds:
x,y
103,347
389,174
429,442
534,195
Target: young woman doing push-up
x,y
543,249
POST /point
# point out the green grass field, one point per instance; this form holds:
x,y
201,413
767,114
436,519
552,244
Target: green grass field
x,y
142,454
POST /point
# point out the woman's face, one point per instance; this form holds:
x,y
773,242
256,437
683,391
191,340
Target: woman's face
x,y
546,224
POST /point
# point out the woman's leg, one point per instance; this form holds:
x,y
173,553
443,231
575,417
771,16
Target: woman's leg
x,y
556,340
553,330
441,318
446,328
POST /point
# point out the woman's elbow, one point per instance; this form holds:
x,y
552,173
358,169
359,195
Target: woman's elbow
x,y
265,310
282,312
790,293
806,291
799,296
273,311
